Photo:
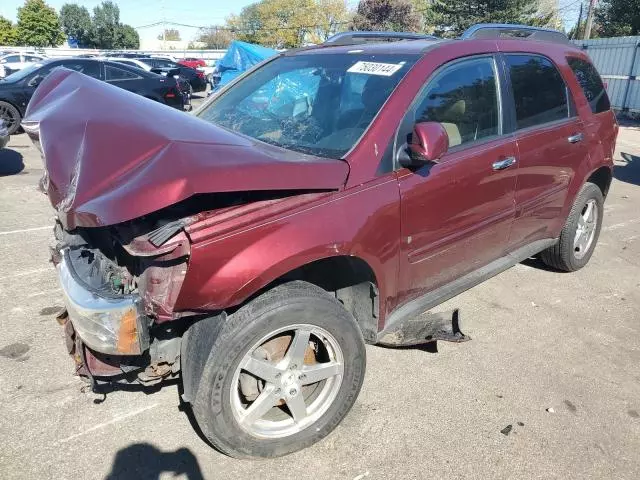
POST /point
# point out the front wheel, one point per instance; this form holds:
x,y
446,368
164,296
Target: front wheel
x,y
282,372
580,233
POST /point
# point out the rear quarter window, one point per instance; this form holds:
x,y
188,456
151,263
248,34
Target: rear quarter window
x,y
591,84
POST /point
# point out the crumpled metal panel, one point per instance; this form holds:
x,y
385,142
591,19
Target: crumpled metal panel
x,y
112,156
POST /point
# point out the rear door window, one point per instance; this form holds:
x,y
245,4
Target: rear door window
x,y
540,94
91,69
11,59
114,73
591,84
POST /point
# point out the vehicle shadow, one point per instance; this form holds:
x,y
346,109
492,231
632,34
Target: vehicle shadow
x,y
537,263
11,162
630,172
144,461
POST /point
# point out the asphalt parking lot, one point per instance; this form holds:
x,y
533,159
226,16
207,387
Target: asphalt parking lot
x,y
556,356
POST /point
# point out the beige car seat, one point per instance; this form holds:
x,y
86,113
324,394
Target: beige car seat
x,y
450,120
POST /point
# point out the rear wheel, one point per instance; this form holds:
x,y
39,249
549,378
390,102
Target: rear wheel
x,y
10,116
283,371
580,233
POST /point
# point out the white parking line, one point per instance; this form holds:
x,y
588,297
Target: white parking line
x,y
10,232
110,422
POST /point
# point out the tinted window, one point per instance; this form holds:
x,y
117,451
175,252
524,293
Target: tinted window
x,y
30,58
127,62
11,59
88,68
298,102
591,84
166,63
464,98
115,73
538,89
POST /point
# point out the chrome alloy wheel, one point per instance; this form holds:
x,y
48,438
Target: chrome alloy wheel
x,y
586,229
286,381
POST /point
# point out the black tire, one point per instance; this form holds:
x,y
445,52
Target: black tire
x,y
11,117
285,305
562,255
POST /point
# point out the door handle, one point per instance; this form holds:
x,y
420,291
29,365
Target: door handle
x,y
575,138
502,164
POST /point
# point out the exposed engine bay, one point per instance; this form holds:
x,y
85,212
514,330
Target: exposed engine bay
x,y
136,270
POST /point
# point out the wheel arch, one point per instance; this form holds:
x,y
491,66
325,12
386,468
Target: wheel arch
x,y
350,278
601,177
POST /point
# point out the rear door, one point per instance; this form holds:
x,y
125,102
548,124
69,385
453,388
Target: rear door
x,y
456,213
550,142
125,78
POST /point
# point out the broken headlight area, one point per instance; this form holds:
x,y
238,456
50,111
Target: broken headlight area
x,y
120,285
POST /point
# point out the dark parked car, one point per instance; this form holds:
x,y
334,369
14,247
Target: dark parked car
x,y
324,200
196,78
16,90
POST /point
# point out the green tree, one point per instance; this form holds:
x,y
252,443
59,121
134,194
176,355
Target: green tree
x,y
8,33
76,23
105,26
108,33
395,15
248,25
289,23
452,17
170,34
127,37
331,17
38,25
616,18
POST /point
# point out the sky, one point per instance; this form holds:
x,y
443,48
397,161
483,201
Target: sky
x,y
138,13
143,12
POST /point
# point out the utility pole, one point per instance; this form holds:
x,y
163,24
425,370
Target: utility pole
x,y
576,33
587,28
164,27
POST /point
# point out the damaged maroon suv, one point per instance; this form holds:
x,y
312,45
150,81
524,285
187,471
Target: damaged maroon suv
x,y
326,199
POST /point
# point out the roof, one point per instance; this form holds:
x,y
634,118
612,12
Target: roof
x,y
403,46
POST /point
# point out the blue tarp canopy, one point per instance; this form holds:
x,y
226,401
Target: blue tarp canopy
x,y
241,56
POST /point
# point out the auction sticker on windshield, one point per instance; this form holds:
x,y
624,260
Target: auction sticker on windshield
x,y
374,68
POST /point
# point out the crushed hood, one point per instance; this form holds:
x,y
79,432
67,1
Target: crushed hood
x,y
112,156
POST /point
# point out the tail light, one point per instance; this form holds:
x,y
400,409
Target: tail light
x,y
172,93
200,74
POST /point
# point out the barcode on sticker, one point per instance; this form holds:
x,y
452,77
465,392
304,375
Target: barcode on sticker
x,y
374,68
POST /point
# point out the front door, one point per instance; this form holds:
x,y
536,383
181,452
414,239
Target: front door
x,y
456,214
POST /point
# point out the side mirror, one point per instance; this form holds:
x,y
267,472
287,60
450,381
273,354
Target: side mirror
x,y
35,81
429,142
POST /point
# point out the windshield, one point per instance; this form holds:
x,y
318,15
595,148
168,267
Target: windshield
x,y
319,104
25,72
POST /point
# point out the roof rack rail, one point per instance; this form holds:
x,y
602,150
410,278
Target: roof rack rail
x,y
502,30
356,37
